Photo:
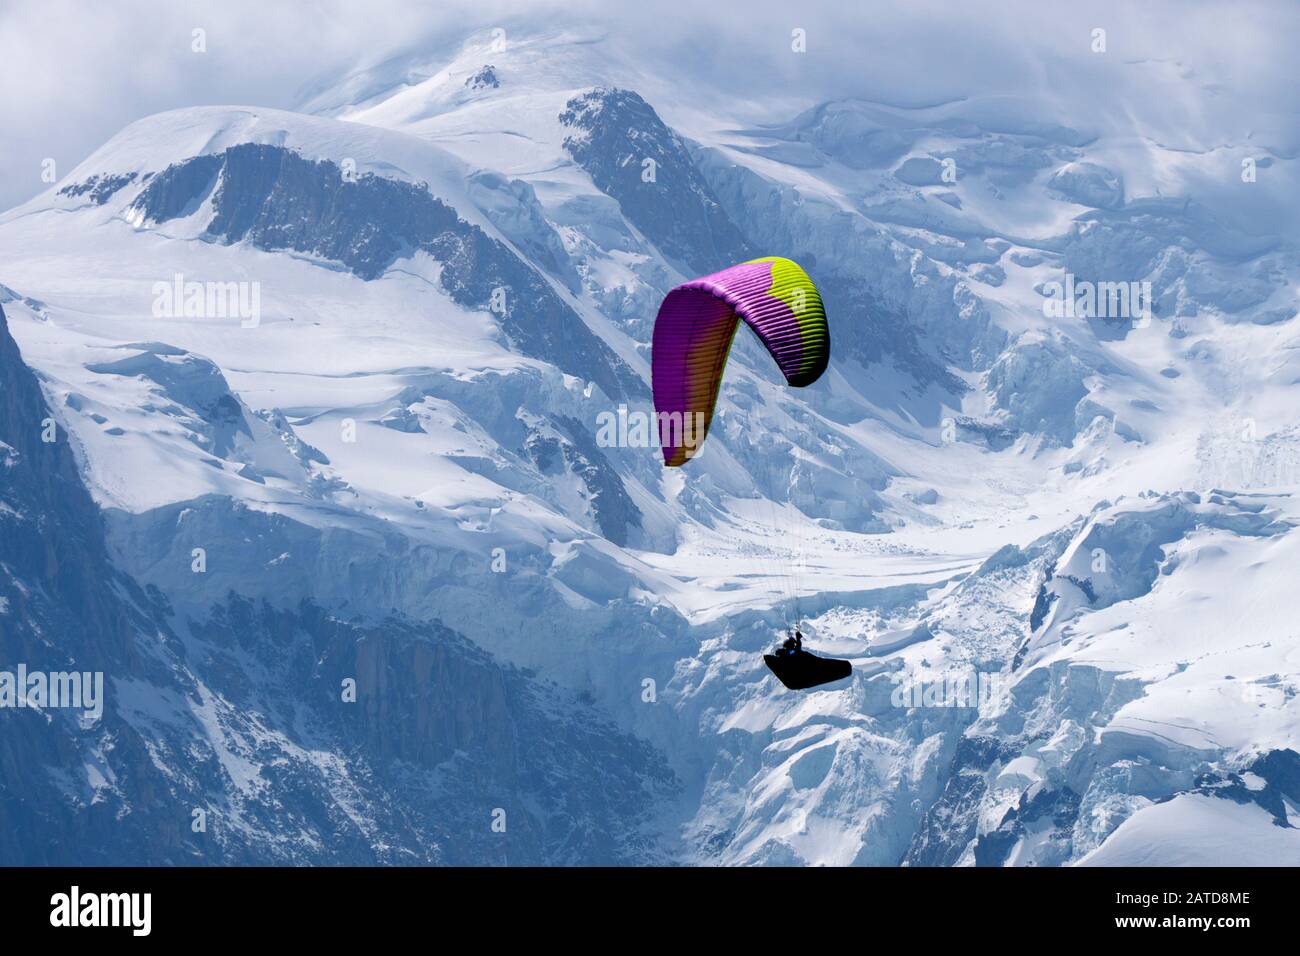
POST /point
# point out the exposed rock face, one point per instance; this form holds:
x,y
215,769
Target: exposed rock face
x,y
99,188
276,199
484,79
63,608
567,446
633,157
441,741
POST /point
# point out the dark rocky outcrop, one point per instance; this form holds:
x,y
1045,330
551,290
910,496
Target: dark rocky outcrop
x,y
276,199
612,135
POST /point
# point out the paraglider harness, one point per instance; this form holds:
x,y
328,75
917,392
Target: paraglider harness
x,y
798,669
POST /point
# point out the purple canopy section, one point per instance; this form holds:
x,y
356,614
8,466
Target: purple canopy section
x,y
694,331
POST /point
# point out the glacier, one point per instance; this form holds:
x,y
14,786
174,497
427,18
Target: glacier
x,y
392,484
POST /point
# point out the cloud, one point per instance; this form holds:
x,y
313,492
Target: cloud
x,y
1191,75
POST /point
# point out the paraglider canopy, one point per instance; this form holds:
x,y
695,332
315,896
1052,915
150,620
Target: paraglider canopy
x,y
693,334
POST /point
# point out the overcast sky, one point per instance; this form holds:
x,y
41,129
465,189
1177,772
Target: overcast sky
x,y
74,73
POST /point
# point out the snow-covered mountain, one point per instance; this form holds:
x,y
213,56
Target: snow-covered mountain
x,y
328,386
231,740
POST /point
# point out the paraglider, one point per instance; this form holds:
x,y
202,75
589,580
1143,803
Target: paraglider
x,y
693,334
798,669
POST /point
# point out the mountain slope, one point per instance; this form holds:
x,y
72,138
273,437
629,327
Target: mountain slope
x,y
233,740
